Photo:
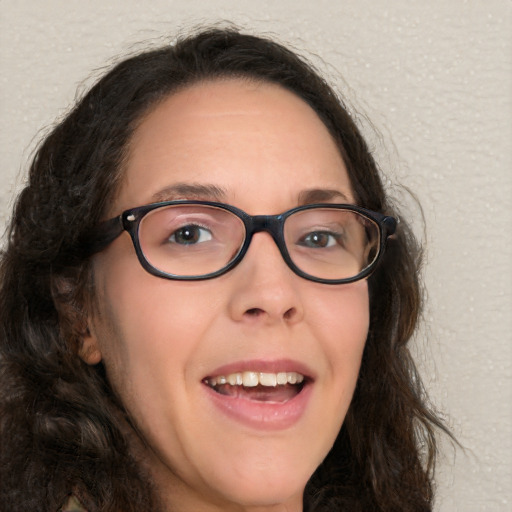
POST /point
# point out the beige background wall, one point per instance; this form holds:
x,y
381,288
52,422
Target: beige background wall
x,y
435,78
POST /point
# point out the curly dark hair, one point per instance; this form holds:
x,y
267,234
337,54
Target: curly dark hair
x,y
62,429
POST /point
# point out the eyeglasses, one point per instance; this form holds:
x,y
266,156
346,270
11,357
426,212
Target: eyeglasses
x,y
192,240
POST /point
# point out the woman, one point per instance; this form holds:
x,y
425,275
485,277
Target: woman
x,y
206,301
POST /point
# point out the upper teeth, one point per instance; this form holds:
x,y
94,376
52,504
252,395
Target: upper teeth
x,y
252,379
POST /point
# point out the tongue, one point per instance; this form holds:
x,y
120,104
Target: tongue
x,y
260,393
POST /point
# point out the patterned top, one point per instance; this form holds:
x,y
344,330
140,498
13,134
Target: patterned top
x,y
73,505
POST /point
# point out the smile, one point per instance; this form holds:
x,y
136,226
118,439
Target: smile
x,y
258,386
268,399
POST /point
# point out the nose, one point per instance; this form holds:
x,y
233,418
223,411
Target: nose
x,y
266,290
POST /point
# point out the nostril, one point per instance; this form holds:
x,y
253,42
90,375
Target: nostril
x,y
288,315
254,312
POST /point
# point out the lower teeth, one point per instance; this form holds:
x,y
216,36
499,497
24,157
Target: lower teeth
x,y
278,394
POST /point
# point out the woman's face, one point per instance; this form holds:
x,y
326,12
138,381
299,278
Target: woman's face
x,y
260,148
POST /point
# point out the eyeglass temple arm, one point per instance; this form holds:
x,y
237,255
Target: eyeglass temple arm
x,y
104,234
390,223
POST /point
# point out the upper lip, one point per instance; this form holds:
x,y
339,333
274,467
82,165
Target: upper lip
x,y
264,366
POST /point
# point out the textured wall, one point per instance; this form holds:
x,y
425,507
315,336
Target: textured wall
x,y
435,78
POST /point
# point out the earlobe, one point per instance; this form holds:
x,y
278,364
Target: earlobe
x,y
89,350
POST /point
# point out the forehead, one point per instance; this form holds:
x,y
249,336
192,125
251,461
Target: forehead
x,y
243,137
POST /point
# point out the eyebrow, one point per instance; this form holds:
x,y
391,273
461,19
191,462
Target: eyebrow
x,y
208,192
318,195
190,191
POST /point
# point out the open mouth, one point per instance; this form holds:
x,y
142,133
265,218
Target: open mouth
x,y
259,386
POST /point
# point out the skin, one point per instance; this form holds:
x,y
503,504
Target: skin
x,y
264,148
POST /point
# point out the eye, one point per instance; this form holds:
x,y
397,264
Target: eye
x,y
191,234
320,239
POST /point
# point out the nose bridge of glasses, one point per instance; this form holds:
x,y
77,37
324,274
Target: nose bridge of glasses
x,y
271,224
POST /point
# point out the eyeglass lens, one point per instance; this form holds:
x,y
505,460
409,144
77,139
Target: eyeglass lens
x,y
196,240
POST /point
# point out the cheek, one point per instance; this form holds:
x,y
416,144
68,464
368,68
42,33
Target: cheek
x,y
343,315
343,320
147,327
151,334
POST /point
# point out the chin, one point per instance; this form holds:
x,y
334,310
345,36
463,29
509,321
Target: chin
x,y
253,494
264,486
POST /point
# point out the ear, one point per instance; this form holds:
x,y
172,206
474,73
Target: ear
x,y
76,325
89,350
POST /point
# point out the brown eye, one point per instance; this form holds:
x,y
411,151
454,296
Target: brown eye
x,y
191,234
319,239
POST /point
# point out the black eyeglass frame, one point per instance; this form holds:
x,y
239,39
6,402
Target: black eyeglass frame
x,y
107,231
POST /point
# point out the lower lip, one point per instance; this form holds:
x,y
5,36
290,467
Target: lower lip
x,y
262,415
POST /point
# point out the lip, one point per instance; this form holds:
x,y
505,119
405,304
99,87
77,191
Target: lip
x,y
263,415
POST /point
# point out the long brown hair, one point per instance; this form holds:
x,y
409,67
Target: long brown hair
x,y
61,427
